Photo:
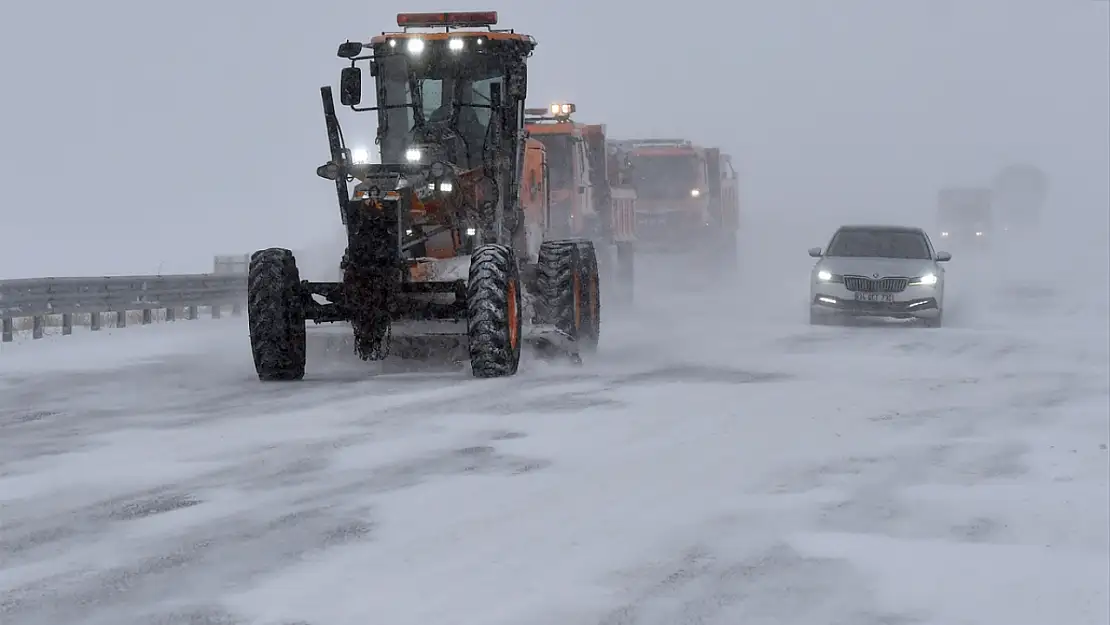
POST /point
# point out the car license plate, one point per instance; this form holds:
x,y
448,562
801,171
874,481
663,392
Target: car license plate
x,y
885,298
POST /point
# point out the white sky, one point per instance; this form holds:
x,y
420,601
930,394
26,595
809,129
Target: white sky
x,y
139,136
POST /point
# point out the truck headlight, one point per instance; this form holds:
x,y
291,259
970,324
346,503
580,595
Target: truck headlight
x,y
413,155
695,193
360,156
928,279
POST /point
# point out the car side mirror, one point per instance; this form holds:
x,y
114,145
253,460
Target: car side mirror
x,y
943,257
350,86
815,252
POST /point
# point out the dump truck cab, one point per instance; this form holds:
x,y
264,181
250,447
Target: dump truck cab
x,y
572,190
687,196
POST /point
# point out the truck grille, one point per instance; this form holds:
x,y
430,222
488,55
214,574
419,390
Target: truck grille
x,y
880,285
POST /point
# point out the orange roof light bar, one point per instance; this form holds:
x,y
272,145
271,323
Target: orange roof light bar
x,y
466,18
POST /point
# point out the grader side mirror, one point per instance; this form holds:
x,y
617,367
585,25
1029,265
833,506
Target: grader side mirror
x,y
350,86
349,50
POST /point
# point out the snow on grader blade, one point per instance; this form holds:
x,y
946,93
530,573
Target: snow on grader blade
x,y
447,235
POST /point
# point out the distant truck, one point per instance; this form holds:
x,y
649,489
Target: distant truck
x,y
965,215
687,198
1020,191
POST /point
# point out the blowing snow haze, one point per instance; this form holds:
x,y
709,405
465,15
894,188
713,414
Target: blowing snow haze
x,y
143,136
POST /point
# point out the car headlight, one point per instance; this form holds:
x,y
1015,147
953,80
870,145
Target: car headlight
x,y
944,234
695,192
413,155
824,276
928,279
978,234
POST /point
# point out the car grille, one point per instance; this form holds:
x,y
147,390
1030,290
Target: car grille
x,y
879,285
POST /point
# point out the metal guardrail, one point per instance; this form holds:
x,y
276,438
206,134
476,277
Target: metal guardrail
x,y
38,298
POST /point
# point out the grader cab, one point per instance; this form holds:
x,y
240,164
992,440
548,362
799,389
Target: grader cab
x,y
447,232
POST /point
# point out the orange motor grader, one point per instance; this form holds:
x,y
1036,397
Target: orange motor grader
x,y
591,196
448,234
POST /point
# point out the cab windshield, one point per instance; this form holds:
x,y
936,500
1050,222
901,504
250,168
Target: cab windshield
x,y
436,88
965,215
665,177
560,159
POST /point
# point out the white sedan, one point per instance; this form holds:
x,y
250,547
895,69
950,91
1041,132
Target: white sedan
x,y
878,271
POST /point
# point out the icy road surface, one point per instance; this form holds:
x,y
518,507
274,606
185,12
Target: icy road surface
x,y
720,462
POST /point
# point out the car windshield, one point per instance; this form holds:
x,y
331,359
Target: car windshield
x,y
872,243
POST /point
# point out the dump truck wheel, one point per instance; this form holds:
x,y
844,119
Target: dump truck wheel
x,y
625,282
493,302
561,288
730,256
590,281
276,315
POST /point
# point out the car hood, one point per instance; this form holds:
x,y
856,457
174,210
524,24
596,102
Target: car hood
x,y
907,267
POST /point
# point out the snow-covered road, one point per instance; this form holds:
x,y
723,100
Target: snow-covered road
x,y
719,462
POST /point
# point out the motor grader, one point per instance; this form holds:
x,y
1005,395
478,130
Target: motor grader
x,y
448,233
591,194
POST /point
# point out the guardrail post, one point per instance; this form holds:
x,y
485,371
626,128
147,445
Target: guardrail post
x,y
215,311
6,330
36,326
121,318
190,312
171,314
237,310
67,324
94,321
146,316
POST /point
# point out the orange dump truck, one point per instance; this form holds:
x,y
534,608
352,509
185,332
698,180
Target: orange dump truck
x,y
687,197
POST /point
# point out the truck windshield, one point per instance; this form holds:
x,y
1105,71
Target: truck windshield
x,y
560,159
874,243
669,177
964,215
428,91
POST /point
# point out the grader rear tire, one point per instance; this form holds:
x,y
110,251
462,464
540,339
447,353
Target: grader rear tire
x,y
276,315
493,302
564,276
590,281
